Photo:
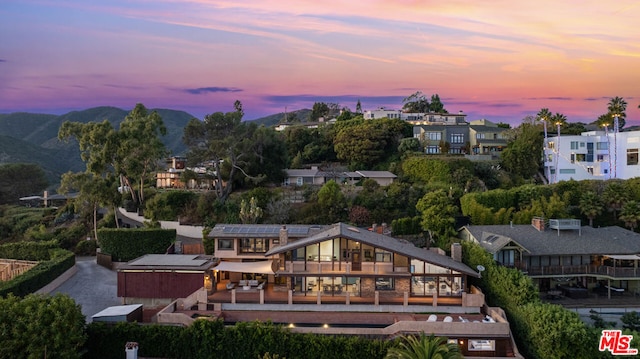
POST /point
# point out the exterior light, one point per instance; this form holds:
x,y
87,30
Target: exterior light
x,y
325,326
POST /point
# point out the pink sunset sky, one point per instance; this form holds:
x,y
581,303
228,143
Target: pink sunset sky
x,y
499,60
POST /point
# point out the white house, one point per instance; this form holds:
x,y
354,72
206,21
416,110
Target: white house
x,y
598,155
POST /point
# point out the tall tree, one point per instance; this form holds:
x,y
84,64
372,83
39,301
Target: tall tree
x,y
523,141
139,149
331,202
438,216
424,347
130,154
617,107
436,105
591,206
544,116
319,110
223,142
358,108
416,102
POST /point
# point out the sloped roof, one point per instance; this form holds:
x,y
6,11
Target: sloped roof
x,y
342,230
263,230
587,241
303,173
376,174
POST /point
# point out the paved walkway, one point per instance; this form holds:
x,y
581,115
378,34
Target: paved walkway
x,y
93,287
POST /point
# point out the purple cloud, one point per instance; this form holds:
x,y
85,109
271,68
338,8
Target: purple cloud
x,y
3,60
202,90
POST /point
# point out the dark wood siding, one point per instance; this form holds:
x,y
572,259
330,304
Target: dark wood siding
x,y
158,284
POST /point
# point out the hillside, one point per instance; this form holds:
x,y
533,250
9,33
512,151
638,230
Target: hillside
x,y
272,120
33,138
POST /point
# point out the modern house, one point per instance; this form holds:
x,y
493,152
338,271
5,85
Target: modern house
x,y
176,166
418,118
343,280
563,255
340,262
598,155
318,177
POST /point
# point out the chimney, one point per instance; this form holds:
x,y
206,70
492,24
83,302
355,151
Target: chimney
x,y
456,252
538,223
284,235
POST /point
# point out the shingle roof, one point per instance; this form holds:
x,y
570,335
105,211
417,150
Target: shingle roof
x,y
391,244
587,241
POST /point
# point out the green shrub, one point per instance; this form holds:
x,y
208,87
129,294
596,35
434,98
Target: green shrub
x,y
125,244
86,247
57,261
212,339
166,206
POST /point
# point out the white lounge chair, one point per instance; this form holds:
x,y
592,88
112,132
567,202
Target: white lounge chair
x,y
432,318
448,319
464,320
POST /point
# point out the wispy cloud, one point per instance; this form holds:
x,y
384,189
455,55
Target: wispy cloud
x,y
3,60
203,90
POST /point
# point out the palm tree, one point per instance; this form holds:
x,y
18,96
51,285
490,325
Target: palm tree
x,y
615,197
591,206
560,120
630,214
617,107
424,347
544,115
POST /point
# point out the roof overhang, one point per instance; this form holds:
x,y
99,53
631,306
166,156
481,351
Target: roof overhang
x,y
262,267
630,257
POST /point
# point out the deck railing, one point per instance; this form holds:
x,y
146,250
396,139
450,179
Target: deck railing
x,y
614,272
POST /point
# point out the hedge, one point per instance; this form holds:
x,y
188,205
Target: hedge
x,y
124,244
212,339
57,262
28,251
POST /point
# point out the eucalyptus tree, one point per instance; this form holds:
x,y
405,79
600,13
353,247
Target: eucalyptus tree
x,y
224,143
129,154
416,102
438,216
523,141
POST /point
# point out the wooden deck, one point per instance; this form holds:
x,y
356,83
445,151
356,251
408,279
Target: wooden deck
x,y
273,296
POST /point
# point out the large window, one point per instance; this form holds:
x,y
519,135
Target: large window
x,y
457,138
433,136
254,245
574,145
225,244
602,146
432,149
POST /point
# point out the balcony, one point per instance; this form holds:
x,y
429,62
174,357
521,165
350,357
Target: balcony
x,y
592,270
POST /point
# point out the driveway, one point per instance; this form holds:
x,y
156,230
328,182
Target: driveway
x,y
93,287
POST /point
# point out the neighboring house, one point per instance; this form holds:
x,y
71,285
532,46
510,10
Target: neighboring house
x,y
418,118
486,138
598,155
158,279
433,135
315,176
176,166
562,254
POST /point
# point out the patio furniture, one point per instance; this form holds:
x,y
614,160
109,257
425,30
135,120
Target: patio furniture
x,y
448,319
432,318
231,285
